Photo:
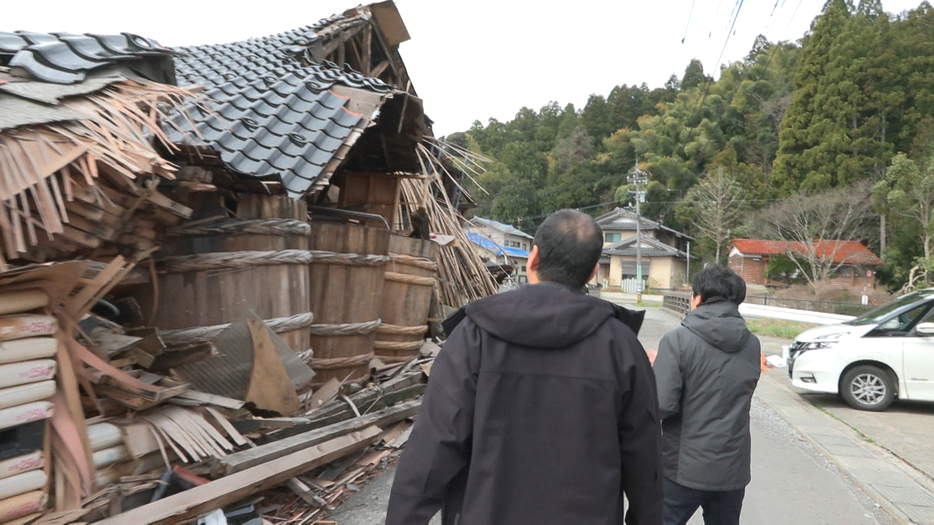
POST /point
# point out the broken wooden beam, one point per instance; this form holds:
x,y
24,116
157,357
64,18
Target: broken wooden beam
x,y
367,396
245,459
348,412
187,506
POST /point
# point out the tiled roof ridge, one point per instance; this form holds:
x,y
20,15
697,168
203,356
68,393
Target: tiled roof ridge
x,y
289,50
299,33
65,58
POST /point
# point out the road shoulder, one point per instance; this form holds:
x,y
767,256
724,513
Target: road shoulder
x,y
906,494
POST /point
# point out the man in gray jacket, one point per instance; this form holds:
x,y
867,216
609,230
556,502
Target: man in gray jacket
x,y
706,372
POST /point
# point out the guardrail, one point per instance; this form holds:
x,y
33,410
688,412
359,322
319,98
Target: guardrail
x,y
680,302
789,314
813,305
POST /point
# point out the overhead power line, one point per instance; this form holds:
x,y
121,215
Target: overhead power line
x,y
690,14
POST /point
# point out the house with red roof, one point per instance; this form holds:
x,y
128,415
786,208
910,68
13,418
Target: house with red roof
x,y
856,263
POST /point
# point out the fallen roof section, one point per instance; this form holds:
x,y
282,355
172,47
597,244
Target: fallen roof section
x,y
279,114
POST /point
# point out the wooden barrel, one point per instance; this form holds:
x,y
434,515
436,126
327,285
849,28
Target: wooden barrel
x,y
346,274
217,273
410,284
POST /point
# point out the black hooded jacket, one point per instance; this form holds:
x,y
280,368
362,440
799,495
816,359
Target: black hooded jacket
x,y
707,371
540,409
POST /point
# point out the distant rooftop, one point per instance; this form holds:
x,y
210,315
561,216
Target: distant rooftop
x,y
505,228
483,242
649,247
620,219
841,251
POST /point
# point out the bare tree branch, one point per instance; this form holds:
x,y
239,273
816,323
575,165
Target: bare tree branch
x,y
814,229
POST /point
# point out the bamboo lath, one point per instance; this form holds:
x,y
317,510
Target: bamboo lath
x,y
462,275
46,169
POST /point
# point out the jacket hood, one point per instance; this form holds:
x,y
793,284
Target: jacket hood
x,y
540,315
717,321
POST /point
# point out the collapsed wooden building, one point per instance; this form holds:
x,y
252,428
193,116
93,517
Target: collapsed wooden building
x,y
212,248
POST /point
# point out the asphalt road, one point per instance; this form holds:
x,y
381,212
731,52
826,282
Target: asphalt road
x,y
791,482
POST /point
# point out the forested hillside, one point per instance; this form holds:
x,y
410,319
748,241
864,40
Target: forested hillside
x,y
839,124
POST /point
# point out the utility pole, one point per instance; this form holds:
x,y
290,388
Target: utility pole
x,y
638,177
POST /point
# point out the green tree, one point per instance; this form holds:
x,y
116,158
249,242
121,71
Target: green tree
x,y
694,75
906,194
597,118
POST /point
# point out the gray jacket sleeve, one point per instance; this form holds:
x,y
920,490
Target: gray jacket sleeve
x,y
668,378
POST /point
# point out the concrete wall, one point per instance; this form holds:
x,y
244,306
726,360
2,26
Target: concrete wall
x,y
616,270
664,272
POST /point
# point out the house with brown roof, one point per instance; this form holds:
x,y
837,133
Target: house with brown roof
x,y
854,262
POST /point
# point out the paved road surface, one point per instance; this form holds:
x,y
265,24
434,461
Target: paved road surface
x,y
792,483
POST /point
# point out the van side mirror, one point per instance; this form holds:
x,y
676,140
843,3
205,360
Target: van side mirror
x,y
925,329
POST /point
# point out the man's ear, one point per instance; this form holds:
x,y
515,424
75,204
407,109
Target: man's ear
x,y
594,272
532,264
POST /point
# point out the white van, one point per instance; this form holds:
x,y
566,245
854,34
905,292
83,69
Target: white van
x,y
873,358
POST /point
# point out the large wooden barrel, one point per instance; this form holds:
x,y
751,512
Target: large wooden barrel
x,y
346,272
410,284
220,272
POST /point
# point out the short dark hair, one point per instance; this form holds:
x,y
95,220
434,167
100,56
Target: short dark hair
x,y
569,246
719,281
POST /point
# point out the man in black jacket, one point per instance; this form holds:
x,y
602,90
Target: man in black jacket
x,y
541,408
706,372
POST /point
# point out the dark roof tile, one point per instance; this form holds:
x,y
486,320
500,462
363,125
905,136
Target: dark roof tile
x,y
27,60
316,156
11,43
282,117
347,118
63,58
37,38
327,142
89,47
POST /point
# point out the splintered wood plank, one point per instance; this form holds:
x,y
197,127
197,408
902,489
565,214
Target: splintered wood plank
x,y
69,392
77,303
325,394
249,458
187,506
164,202
228,428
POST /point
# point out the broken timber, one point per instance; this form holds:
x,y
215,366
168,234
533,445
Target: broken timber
x,y
187,506
250,458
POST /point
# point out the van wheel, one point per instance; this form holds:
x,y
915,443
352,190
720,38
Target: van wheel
x,y
868,387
